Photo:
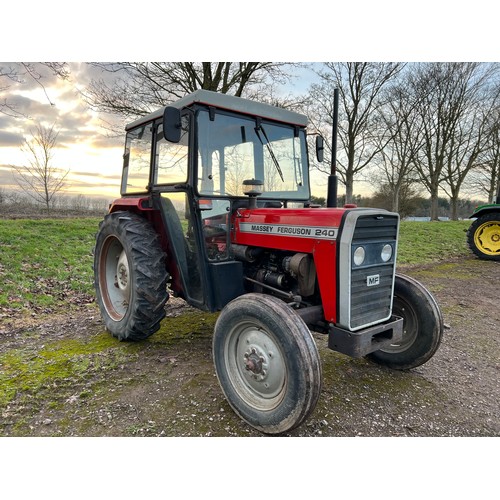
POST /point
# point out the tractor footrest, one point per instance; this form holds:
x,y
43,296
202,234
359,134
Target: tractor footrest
x,y
362,342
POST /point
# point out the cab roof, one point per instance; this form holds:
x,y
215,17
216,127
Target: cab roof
x,y
231,103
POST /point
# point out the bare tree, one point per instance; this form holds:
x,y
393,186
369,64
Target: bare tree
x,y
486,178
360,87
38,178
473,133
398,143
462,158
492,160
446,93
141,87
21,73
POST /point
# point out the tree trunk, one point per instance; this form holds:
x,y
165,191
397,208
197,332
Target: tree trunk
x,y
395,198
349,182
434,205
454,207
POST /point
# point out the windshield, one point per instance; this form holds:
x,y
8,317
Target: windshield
x,y
232,149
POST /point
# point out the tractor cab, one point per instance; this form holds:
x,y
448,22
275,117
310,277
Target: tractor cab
x,y
199,161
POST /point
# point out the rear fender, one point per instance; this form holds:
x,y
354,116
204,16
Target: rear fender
x,y
485,209
144,207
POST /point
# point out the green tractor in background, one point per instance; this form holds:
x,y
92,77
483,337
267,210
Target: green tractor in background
x,y
483,235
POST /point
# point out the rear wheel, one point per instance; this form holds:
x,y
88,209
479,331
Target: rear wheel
x,y
267,363
422,327
483,236
129,276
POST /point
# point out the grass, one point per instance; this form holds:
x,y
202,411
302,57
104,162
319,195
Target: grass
x,y
426,242
46,265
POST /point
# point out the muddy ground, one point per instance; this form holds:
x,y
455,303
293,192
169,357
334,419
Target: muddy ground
x,y
66,376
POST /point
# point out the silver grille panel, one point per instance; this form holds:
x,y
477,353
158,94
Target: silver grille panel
x,y
365,291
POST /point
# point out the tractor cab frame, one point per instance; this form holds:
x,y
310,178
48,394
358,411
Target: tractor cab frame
x,y
192,161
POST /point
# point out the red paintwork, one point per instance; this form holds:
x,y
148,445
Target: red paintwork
x,y
324,252
129,203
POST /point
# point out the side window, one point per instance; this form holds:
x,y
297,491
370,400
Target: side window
x,y
137,159
172,159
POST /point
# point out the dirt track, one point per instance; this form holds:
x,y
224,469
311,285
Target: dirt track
x,y
65,376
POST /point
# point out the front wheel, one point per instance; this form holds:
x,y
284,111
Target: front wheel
x,y
422,327
267,363
483,236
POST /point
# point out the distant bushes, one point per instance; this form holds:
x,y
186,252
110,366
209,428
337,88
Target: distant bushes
x,y
14,204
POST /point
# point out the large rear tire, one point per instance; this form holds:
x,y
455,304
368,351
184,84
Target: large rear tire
x,y
483,236
130,277
422,327
267,363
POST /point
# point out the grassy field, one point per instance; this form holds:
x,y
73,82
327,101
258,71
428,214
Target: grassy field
x,y
425,242
46,265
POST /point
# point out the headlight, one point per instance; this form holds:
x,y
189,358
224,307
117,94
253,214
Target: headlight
x,y
386,253
359,256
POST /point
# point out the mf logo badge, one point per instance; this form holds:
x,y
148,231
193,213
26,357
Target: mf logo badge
x,y
373,280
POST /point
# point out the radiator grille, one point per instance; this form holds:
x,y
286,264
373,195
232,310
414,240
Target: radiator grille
x,y
372,304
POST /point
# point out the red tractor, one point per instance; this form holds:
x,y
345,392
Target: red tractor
x,y
215,207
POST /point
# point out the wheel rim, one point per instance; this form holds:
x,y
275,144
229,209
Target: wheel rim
x,y
114,278
487,238
256,366
410,326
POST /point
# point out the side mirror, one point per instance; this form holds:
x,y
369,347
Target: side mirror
x,y
172,125
320,148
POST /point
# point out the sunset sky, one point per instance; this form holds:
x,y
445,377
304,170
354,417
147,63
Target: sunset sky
x,y
94,158
85,147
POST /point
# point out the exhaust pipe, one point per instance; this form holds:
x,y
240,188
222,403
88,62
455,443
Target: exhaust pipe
x,y
331,200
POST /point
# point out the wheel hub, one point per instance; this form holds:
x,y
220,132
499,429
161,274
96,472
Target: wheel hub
x,y
122,272
255,362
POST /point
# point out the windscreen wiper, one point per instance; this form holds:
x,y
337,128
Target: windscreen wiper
x,y
269,149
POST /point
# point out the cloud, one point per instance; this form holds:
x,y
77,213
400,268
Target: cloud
x,y
31,108
76,182
10,139
86,138
29,75
113,178
96,183
85,72
7,177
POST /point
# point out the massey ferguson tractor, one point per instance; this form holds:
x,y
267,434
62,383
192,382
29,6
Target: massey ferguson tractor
x,y
483,235
215,207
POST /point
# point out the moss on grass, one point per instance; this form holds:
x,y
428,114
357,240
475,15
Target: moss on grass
x,y
184,328
30,372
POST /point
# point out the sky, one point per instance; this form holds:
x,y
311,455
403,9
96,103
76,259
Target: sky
x,y
376,31
84,146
